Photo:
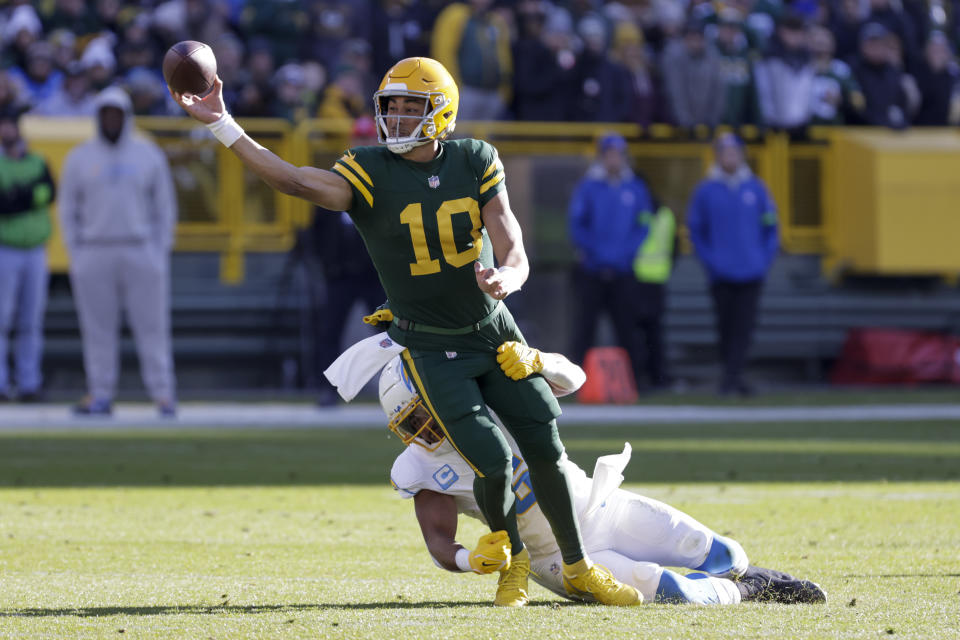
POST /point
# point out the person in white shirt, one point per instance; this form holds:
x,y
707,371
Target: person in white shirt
x,y
633,536
118,214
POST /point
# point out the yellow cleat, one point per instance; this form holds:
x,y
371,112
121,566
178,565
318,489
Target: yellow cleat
x,y
597,583
512,586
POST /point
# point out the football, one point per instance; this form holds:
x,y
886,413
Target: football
x,y
190,67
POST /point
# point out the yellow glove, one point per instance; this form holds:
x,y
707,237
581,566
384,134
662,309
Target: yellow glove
x,y
492,553
378,316
518,360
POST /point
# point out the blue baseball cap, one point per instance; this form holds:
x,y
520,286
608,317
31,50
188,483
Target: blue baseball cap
x,y
727,140
611,141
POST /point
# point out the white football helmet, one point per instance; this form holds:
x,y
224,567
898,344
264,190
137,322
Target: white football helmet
x,y
408,418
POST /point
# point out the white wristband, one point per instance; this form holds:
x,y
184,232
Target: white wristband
x,y
226,129
463,560
511,279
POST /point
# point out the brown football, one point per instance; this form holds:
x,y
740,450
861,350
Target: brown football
x,y
190,67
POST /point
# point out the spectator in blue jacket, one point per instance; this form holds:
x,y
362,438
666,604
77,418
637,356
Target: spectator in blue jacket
x,y
608,222
733,227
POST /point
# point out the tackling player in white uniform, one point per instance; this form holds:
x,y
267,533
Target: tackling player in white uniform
x,y
633,536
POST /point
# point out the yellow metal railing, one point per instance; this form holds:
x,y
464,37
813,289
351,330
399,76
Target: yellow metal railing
x,y
227,210
235,226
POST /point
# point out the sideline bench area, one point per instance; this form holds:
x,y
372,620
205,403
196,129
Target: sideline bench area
x,y
253,334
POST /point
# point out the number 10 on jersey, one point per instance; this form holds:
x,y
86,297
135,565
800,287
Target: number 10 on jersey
x,y
412,215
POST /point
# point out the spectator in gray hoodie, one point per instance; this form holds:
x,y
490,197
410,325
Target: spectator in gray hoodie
x,y
118,210
693,79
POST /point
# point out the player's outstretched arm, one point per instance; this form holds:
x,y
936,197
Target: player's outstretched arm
x,y
320,187
519,361
437,515
507,239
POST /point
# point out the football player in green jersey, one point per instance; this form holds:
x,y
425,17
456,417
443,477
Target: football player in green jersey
x,y
434,214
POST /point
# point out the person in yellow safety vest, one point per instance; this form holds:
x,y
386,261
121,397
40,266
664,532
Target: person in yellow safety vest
x,y
611,210
652,266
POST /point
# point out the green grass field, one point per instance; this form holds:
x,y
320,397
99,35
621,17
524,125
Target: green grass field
x,y
296,534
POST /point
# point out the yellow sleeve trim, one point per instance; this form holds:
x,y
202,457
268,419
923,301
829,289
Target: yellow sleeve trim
x,y
416,380
493,167
355,181
348,159
491,182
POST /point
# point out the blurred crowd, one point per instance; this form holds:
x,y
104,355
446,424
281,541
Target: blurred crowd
x,y
782,64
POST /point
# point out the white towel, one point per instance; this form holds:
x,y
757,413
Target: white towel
x,y
358,364
607,476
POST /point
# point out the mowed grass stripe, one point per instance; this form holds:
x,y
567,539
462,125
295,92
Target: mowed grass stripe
x,y
759,453
605,445
781,445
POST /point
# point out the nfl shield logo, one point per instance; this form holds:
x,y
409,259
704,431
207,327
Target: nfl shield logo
x,y
433,181
386,342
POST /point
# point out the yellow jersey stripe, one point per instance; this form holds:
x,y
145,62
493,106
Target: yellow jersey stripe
x,y
491,182
355,181
353,164
416,379
493,167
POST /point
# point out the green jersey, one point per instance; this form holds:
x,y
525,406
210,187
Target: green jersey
x,y
26,191
422,227
740,92
835,88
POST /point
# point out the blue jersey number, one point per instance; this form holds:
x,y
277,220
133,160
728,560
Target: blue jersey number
x,y
522,488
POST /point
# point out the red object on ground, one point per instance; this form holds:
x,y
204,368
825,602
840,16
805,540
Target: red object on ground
x,y
609,377
897,356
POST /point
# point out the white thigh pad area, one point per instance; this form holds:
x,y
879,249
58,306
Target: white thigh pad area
x,y
648,530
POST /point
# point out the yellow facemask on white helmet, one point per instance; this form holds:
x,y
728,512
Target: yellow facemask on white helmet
x,y
408,418
416,78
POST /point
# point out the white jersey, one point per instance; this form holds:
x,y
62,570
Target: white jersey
x,y
444,471
631,534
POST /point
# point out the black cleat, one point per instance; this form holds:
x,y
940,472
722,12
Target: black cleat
x,y
167,409
93,407
767,585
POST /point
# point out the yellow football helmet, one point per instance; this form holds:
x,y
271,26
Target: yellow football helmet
x,y
417,78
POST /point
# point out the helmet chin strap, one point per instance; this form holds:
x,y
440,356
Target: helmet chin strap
x,y
401,148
